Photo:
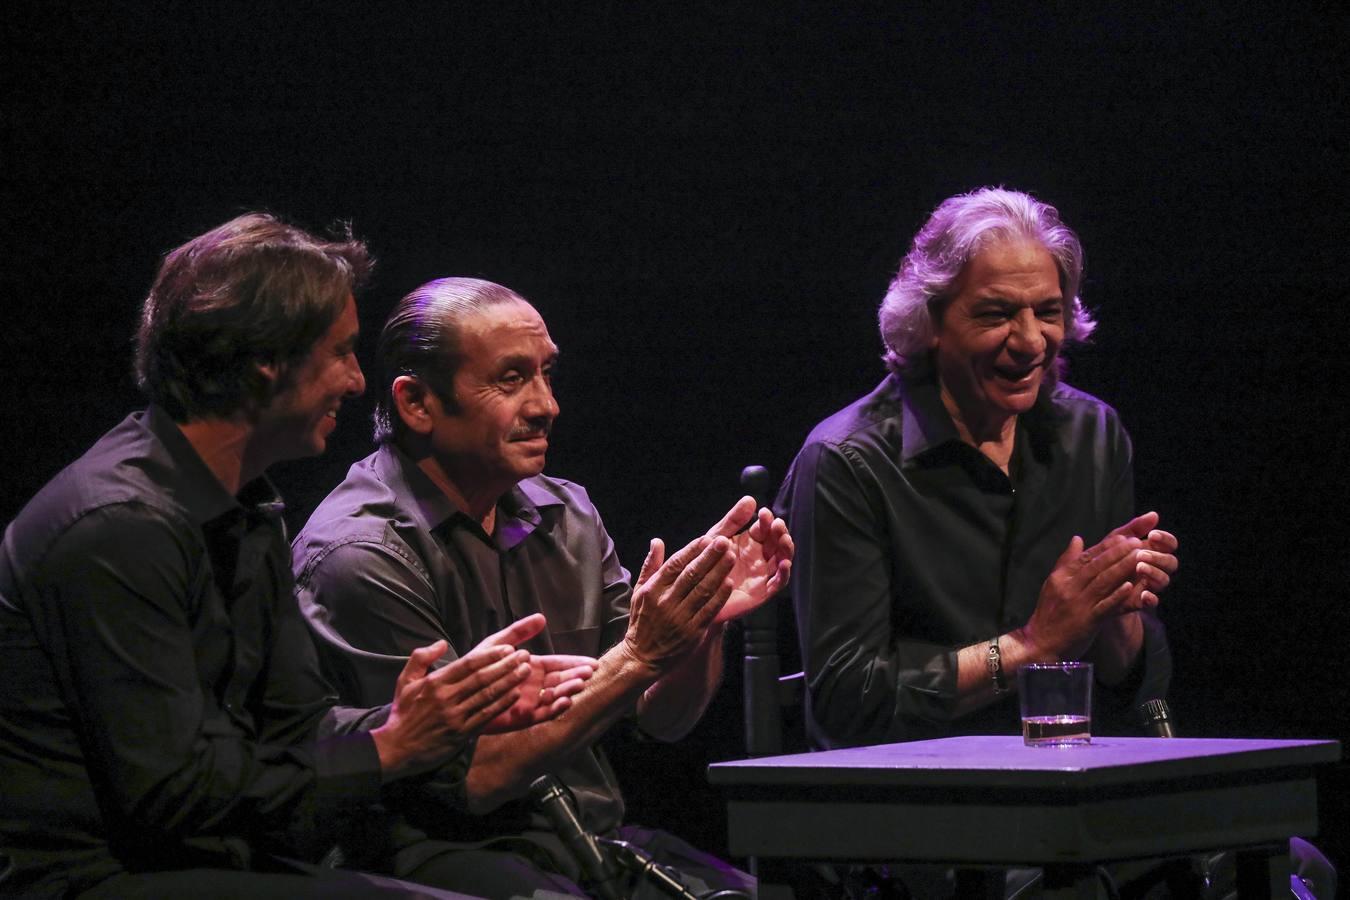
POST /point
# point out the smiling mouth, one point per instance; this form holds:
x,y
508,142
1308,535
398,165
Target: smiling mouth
x,y
1017,374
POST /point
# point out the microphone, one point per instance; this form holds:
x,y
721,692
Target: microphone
x,y
1156,718
639,861
552,800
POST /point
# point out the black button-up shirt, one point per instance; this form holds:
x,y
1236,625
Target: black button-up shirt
x,y
161,700
912,544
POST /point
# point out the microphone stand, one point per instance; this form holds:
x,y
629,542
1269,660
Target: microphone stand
x,y
604,860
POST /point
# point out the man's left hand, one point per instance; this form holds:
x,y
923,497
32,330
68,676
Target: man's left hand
x,y
547,691
763,556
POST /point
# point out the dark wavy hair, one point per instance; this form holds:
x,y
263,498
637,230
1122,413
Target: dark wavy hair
x,y
251,292
421,339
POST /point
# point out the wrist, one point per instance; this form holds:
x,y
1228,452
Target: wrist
x,y
392,760
634,664
994,665
1020,648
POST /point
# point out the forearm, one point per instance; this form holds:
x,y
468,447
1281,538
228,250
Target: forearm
x,y
504,765
674,704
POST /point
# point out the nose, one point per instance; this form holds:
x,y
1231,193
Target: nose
x,y
1025,337
541,403
356,379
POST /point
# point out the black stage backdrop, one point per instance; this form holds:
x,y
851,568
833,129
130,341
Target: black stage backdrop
x,y
706,202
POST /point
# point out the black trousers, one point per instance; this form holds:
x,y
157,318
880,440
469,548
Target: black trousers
x,y
307,882
504,875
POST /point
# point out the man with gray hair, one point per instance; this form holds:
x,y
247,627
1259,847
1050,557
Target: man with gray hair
x,y
451,530
973,514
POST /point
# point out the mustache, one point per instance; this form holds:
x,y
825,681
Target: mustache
x,y
530,430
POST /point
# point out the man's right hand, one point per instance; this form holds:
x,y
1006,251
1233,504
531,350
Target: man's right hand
x,y
435,712
1087,587
676,601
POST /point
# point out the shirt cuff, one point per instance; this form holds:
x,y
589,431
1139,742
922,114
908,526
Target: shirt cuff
x,y
348,771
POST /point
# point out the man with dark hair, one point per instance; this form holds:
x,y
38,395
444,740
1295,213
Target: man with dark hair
x,y
450,529
164,727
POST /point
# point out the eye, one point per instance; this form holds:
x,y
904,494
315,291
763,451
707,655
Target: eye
x,y
512,379
1051,313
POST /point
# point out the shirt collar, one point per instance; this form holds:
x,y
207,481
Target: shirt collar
x,y
926,424
417,493
196,487
518,511
924,421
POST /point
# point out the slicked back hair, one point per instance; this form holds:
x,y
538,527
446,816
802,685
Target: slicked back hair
x,y
422,338
254,291
957,230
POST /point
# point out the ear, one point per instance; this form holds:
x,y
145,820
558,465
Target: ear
x,y
414,402
269,372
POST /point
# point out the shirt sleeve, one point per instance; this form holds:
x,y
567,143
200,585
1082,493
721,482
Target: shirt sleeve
x,y
115,602
366,605
866,683
616,590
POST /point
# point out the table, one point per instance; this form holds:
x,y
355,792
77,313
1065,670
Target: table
x,y
991,801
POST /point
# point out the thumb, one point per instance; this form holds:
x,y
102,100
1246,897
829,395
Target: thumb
x,y
1071,552
418,664
656,554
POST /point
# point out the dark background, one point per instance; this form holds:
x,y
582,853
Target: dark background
x,y
706,202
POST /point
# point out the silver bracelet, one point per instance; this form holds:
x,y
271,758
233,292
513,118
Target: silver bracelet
x,y
994,662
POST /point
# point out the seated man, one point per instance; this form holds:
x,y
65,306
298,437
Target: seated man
x,y
449,531
973,514
164,727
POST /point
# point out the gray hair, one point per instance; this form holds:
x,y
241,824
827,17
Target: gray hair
x,y
422,339
957,230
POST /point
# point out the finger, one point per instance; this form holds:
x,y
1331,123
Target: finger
x,y
1114,566
478,658
656,553
1139,526
1071,553
543,713
502,674
486,686
580,673
673,567
484,718
556,662
761,529
1163,541
704,595
714,555
418,664
740,515
1155,578
706,614
566,689
781,577
1165,561
518,632
1112,604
